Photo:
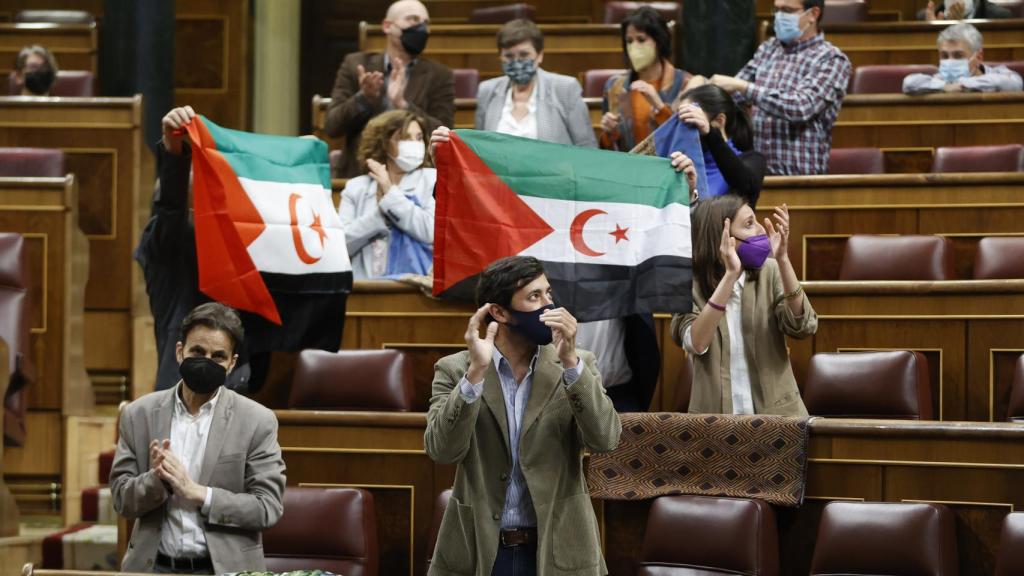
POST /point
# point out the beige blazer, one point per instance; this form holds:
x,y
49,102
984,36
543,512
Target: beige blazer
x,y
767,320
242,464
559,423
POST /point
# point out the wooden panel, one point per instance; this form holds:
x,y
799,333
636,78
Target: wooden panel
x,y
74,45
442,10
42,454
878,10
85,438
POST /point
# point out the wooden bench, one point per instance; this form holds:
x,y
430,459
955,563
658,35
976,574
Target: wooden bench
x,y
74,45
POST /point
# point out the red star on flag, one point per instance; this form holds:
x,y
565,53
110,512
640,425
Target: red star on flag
x,y
620,234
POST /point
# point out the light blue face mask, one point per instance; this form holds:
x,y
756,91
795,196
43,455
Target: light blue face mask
x,y
787,27
954,69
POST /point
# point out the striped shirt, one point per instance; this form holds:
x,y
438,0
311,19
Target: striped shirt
x,y
518,510
796,91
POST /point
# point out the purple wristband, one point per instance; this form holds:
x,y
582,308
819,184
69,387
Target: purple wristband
x,y
716,306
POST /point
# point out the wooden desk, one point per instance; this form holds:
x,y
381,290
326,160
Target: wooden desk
x,y
878,10
74,45
102,142
975,468
565,11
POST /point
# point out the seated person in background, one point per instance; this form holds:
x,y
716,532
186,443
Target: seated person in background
x,y
637,102
35,71
198,467
961,68
963,10
388,213
731,164
796,82
743,302
529,101
368,84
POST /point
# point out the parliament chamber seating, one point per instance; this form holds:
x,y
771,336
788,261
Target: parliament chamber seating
x,y
874,538
856,161
999,257
77,83
615,12
329,529
440,505
502,14
31,163
892,385
55,16
594,81
1001,158
911,257
1010,558
1015,65
885,78
466,82
689,535
1016,7
845,11
15,329
378,380
1015,409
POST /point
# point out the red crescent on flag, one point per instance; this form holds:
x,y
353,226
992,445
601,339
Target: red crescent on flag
x,y
576,232
296,234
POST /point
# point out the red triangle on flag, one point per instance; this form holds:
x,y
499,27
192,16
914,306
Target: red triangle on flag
x,y
479,219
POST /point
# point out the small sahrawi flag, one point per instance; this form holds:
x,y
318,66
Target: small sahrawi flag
x,y
264,217
612,229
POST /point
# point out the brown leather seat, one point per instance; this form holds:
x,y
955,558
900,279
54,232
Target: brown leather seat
x,y
856,161
440,505
32,162
466,82
885,78
352,380
1015,65
702,535
1016,7
615,12
1015,410
999,257
897,258
875,538
56,16
1003,158
15,329
891,385
80,83
1010,558
594,81
501,15
329,529
843,11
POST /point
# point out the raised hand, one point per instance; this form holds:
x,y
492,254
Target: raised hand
x,y
727,251
156,452
173,125
379,173
649,92
683,163
396,84
481,350
778,233
370,83
610,122
440,135
694,116
172,471
563,332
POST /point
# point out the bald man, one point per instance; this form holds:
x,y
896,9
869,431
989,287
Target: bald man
x,y
399,79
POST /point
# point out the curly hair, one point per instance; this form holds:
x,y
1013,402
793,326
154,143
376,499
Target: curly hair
x,y
376,140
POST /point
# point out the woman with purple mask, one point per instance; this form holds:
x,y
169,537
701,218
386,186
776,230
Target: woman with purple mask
x,y
744,306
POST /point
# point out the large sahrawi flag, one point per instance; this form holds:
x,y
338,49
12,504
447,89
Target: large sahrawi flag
x,y
612,229
265,223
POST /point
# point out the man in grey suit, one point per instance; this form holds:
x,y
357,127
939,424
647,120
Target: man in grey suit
x,y
198,466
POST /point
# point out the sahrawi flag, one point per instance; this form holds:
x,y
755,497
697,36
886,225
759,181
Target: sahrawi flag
x,y
264,216
612,229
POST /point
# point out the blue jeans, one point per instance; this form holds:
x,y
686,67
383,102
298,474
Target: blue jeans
x,y
515,560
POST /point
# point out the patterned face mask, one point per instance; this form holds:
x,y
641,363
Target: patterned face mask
x,y
520,71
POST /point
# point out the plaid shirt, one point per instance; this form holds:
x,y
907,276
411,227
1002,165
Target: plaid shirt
x,y
796,92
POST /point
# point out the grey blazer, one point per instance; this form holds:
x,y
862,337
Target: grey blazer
x,y
242,464
562,116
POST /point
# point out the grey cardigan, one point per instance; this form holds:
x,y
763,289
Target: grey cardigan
x,y
562,115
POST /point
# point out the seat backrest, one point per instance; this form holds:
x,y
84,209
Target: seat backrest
x,y
15,309
885,538
841,11
352,380
891,384
466,82
885,78
80,83
897,258
501,15
856,161
329,529
999,257
615,12
1016,7
440,505
1000,158
1010,558
594,81
1015,65
709,535
32,162
1015,410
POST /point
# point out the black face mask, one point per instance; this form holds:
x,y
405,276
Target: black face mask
x,y
529,325
202,375
39,80
414,39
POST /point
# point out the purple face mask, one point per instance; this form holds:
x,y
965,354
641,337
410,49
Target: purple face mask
x,y
754,251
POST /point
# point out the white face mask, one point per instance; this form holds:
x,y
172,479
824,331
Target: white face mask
x,y
410,155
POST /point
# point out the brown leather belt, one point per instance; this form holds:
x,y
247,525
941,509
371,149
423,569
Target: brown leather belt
x,y
518,537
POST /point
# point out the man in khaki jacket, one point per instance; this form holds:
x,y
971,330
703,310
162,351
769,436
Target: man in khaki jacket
x,y
515,412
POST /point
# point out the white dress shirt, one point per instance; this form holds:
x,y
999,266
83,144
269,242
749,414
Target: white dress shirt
x,y
527,127
739,371
607,340
182,534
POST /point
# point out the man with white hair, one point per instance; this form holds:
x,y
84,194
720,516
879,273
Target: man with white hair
x,y
961,68
370,83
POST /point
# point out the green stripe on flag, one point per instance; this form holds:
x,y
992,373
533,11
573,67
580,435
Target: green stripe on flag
x,y
556,171
273,158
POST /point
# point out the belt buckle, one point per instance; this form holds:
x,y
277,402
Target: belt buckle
x,y
504,542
